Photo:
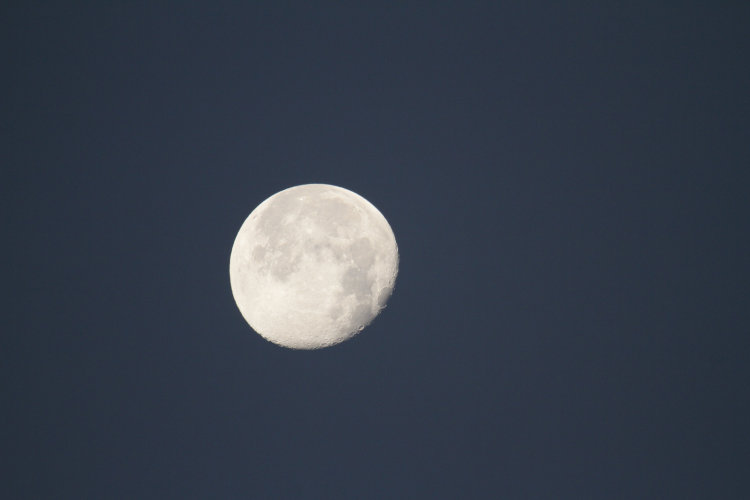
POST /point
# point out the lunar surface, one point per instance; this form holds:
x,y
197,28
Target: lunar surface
x,y
312,266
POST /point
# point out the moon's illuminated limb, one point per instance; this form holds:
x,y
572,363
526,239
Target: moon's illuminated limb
x,y
312,266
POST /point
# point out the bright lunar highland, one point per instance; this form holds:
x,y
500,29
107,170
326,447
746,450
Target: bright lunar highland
x,y
312,266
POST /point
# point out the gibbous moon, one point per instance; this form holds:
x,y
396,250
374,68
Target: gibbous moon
x,y
312,266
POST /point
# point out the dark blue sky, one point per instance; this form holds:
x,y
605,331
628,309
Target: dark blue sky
x,y
568,186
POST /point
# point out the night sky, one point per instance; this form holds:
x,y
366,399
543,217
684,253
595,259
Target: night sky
x,y
568,186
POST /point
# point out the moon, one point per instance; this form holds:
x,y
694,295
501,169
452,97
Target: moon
x,y
313,265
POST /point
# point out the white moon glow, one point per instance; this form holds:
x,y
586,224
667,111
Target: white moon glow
x,y
312,266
